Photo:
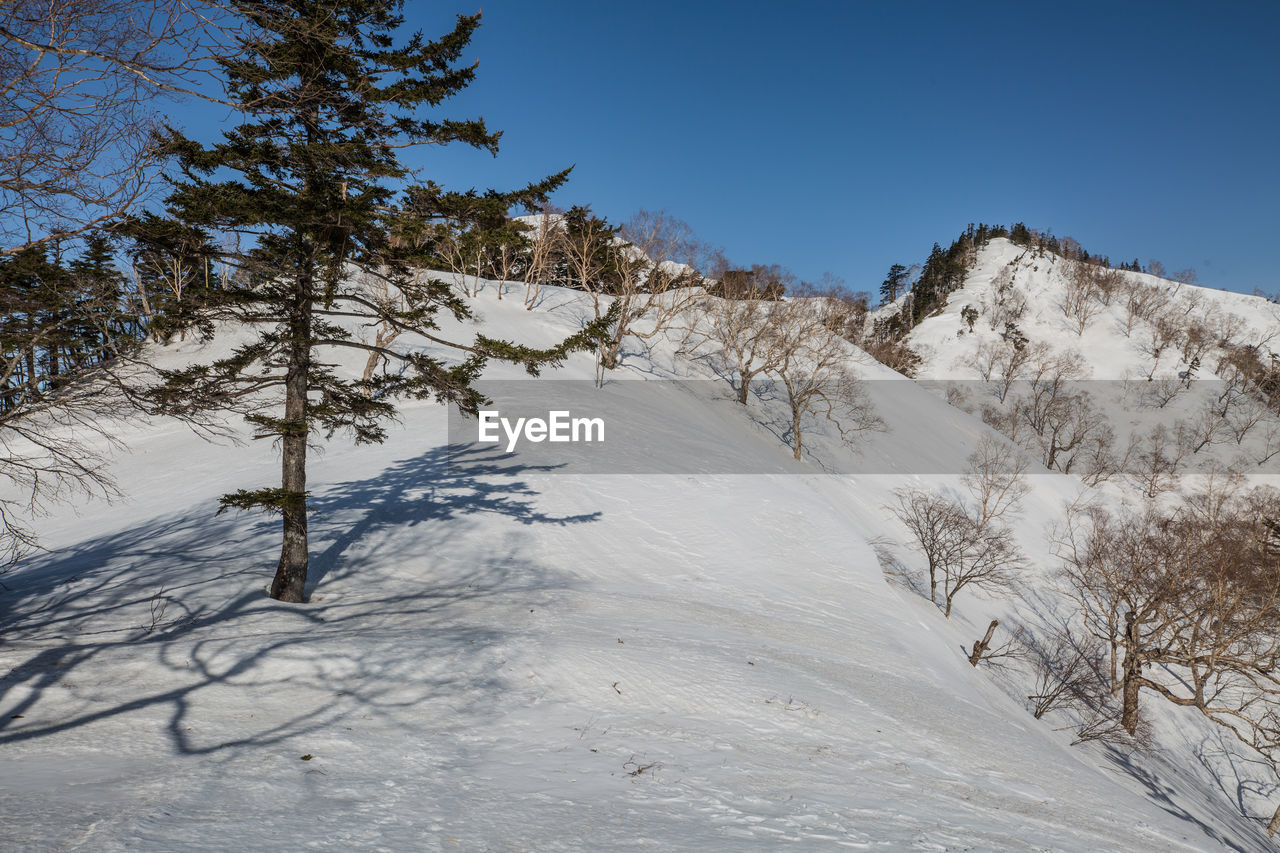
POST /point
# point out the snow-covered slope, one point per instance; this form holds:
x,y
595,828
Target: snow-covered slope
x,y
1159,362
1114,348
503,658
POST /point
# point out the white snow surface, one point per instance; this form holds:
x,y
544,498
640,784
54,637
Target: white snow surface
x,y
523,660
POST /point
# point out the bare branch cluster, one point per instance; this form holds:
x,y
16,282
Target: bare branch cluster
x,y
968,543
1187,604
78,86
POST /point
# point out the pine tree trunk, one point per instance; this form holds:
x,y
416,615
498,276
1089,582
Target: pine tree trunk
x,y
291,575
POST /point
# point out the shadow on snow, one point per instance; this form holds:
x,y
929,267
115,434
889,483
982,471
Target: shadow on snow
x,y
168,622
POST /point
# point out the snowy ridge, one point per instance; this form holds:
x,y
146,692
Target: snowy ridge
x,y
1162,364
1112,353
509,659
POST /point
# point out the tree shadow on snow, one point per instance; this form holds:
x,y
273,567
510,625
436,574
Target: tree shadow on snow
x,y
1164,796
164,628
437,487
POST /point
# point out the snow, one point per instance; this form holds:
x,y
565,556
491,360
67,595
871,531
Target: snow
x,y
501,657
1111,353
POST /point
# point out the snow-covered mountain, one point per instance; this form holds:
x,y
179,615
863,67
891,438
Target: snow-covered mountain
x,y
1033,289
1157,363
502,656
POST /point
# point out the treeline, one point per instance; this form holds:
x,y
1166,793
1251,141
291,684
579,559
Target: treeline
x,y
72,306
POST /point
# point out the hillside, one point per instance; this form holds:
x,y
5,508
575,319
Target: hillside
x,y
1115,348
501,656
1156,377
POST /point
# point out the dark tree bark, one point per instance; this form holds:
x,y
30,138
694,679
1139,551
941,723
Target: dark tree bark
x,y
291,574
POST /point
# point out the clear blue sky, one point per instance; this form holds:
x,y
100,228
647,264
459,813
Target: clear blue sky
x,y
847,136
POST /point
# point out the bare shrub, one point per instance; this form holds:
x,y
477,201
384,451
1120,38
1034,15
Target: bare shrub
x,y
967,543
1102,724
1067,672
1080,302
895,355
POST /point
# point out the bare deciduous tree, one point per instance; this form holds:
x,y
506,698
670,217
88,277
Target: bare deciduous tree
x,y
1005,303
541,254
79,87
1065,427
1270,443
984,359
996,478
1141,302
739,331
1166,330
1158,393
1012,358
968,544
1154,461
811,362
937,525
1080,300
1191,597
67,347
658,280
1205,429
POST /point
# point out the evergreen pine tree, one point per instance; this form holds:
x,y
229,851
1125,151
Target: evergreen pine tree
x,y
894,284
35,325
103,329
307,179
173,266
